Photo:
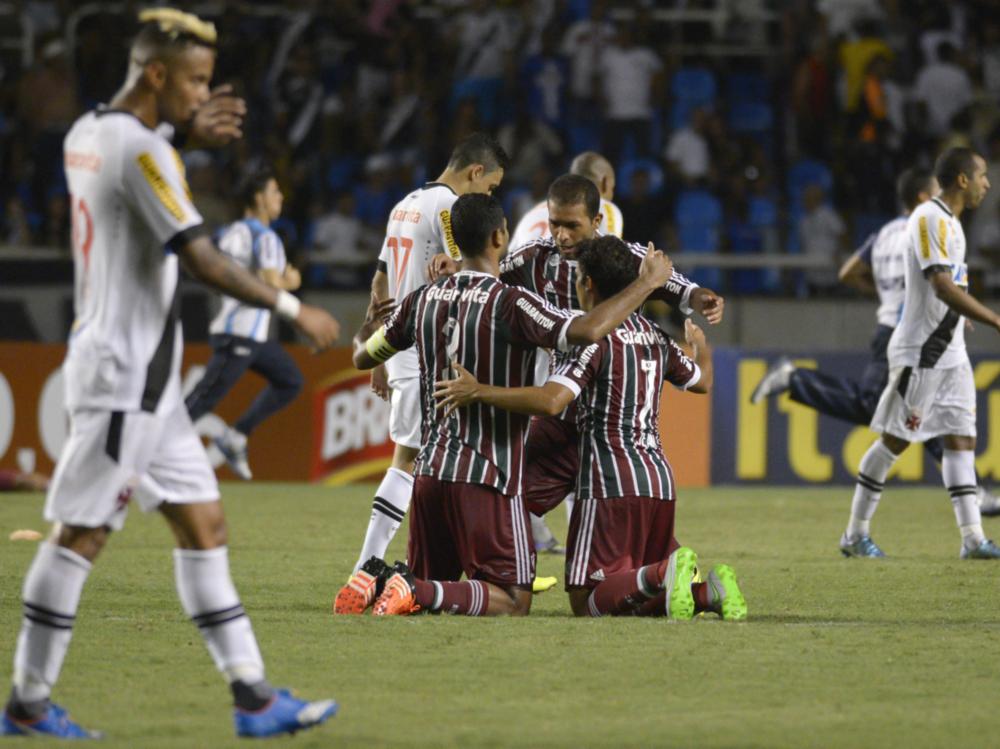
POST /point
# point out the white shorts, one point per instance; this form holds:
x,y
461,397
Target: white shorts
x,y
112,457
404,412
918,404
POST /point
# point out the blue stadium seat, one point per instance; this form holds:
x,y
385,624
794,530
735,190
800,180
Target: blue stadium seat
x,y
743,87
623,184
694,85
698,215
750,117
763,212
808,172
866,224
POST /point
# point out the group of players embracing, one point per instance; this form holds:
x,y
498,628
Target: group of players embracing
x,y
460,323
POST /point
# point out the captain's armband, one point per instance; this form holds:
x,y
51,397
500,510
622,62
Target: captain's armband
x,y
378,347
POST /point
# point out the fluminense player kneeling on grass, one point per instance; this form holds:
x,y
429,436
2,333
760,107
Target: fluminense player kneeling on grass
x,y
467,513
622,557
931,392
130,435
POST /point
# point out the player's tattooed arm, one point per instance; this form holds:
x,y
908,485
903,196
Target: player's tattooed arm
x,y
702,354
203,261
708,304
548,400
958,299
654,271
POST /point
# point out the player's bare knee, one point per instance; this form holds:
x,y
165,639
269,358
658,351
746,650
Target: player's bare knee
x,y
895,444
956,442
87,542
404,457
197,526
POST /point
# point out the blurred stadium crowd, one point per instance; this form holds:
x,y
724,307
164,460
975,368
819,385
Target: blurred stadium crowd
x,y
758,126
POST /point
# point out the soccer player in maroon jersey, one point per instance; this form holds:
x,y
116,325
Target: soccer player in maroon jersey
x,y
467,511
622,556
548,268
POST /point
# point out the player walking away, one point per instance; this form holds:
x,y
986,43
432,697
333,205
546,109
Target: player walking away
x,y
877,267
419,228
591,165
547,267
468,511
623,557
930,392
239,332
130,435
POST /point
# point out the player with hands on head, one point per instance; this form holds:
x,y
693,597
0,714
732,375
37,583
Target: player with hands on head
x,y
130,435
622,557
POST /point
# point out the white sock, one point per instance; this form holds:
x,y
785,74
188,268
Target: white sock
x,y
539,530
209,598
570,501
51,596
875,465
392,500
958,470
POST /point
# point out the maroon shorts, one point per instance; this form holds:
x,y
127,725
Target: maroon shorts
x,y
615,535
470,528
552,461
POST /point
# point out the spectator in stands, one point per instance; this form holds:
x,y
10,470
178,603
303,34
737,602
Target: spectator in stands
x,y
343,249
583,44
532,145
823,234
944,87
16,228
632,81
687,152
544,79
57,219
485,36
855,56
812,99
645,211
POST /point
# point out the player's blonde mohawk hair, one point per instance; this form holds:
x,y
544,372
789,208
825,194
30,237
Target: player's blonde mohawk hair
x,y
176,23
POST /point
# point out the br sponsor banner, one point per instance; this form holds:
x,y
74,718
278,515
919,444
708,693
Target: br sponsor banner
x,y
780,441
336,428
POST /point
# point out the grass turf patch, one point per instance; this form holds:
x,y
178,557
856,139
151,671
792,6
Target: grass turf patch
x,y
836,651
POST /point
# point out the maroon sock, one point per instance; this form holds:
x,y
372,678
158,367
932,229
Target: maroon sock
x,y
8,481
469,597
656,606
702,597
624,592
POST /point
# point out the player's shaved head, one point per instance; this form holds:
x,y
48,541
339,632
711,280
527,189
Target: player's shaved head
x,y
911,184
572,189
474,218
593,166
952,163
479,148
608,262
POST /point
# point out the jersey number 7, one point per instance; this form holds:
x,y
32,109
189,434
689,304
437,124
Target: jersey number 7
x,y
399,265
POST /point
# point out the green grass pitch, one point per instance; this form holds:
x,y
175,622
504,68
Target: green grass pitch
x,y
836,652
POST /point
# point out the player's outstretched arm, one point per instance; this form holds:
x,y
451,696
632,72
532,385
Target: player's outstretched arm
x,y
548,400
708,304
211,267
960,301
654,271
702,355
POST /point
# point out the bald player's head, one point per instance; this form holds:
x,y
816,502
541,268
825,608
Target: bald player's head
x,y
598,170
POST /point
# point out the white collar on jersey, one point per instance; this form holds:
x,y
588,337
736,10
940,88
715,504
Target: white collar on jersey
x,y
474,273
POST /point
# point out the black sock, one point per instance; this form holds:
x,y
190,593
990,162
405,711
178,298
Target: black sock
x,y
251,696
26,710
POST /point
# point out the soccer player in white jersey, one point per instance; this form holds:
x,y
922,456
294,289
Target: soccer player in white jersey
x,y
419,228
930,392
239,332
130,436
535,223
